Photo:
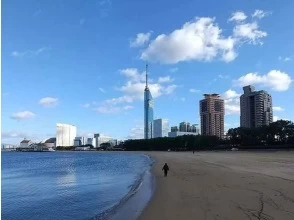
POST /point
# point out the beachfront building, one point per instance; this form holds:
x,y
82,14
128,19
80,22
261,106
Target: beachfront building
x,y
25,143
148,110
160,128
91,141
256,108
50,142
65,135
78,141
212,113
101,139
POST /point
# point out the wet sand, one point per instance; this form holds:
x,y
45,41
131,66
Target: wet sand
x,y
223,185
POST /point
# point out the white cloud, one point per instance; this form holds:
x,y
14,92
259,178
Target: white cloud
x,y
274,79
22,115
137,132
173,70
194,90
229,94
140,40
232,102
48,102
133,74
249,32
102,90
202,40
13,134
110,109
259,14
238,16
278,109
133,90
275,118
29,53
165,79
220,76
134,87
285,59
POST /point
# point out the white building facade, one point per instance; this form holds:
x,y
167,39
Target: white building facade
x,y
160,128
65,135
100,139
25,143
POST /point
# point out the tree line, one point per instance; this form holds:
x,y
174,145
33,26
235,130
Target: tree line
x,y
279,134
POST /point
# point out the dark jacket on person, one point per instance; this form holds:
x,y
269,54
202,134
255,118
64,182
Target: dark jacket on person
x,y
165,168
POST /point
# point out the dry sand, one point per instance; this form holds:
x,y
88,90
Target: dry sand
x,y
223,185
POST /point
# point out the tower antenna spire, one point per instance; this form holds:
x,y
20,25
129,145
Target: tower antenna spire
x,y
146,75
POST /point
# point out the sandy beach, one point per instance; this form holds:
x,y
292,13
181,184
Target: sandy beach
x,y
223,185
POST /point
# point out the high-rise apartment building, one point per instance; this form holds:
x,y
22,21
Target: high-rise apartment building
x,y
148,110
174,129
212,115
65,135
256,108
160,128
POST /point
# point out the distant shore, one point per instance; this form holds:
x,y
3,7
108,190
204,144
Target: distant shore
x,y
222,185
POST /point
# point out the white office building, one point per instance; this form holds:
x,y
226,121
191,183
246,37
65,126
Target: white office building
x,y
78,141
160,128
100,139
91,141
65,135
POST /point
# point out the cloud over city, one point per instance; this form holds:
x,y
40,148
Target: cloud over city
x,y
48,102
23,115
202,39
133,90
274,79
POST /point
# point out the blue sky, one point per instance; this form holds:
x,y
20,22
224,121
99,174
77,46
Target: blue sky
x,y
82,61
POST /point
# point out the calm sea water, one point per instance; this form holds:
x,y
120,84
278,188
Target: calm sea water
x,y
67,185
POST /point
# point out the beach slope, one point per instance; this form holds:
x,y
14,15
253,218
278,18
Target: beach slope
x,y
223,185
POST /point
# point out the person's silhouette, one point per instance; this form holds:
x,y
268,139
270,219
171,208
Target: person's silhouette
x,y
165,168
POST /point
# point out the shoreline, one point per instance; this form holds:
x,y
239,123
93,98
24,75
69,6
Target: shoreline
x,y
222,185
134,202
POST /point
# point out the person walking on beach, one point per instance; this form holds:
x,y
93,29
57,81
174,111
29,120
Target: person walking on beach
x,y
165,168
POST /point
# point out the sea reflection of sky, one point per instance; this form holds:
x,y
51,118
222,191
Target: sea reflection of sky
x,y
67,178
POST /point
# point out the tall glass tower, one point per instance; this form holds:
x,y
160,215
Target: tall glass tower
x,y
148,110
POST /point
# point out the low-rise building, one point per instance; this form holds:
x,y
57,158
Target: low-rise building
x,y
180,133
25,143
50,142
100,139
78,141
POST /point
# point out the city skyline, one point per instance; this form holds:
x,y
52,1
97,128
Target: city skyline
x,y
69,65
